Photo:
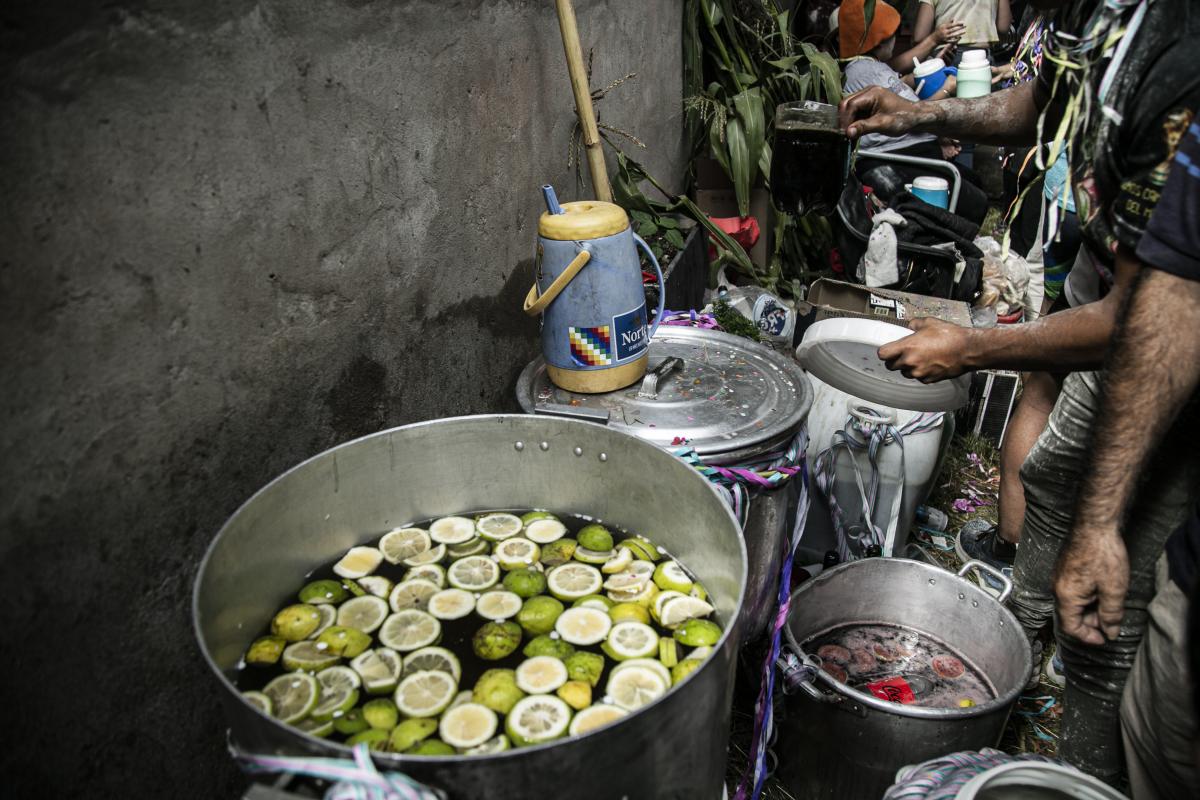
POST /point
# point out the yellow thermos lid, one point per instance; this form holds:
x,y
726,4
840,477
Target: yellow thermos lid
x,y
583,219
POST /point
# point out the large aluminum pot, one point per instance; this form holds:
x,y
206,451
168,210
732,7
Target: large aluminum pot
x,y
837,742
347,495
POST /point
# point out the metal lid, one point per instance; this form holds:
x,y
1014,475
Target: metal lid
x,y
717,393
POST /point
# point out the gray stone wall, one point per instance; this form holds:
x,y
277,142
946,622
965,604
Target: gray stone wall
x,y
234,234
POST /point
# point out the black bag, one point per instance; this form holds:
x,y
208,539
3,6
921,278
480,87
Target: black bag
x,y
923,268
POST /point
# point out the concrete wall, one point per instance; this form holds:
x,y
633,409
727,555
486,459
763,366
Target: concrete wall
x,y
233,234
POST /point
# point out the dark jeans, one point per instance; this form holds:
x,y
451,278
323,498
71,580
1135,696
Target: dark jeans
x,y
1091,733
972,200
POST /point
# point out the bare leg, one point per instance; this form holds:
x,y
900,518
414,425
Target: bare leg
x,y
1027,423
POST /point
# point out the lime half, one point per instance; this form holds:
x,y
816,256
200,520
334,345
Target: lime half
x,y
358,562
678,610
631,640
652,664
364,613
572,581
583,625
452,530
431,556
310,656
473,573
434,573
596,716
670,577
497,744
544,531
539,718
339,692
293,696
634,687
498,526
541,675
410,630
517,552
468,725
259,701
426,693
451,604
328,617
404,543
376,585
433,658
498,606
414,593
379,669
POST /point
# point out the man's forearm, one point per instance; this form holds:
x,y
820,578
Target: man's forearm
x,y
1153,371
1006,117
1075,339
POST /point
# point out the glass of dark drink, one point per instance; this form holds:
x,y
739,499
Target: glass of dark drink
x,y
808,163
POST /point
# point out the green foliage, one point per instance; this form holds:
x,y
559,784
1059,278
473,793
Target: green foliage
x,y
733,322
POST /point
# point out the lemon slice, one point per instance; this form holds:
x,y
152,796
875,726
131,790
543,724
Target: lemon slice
x,y
670,577
595,601
376,585
379,669
426,693
631,640
358,562
259,701
592,556
433,658
431,556
451,604
468,725
644,596
410,629
538,718
545,531
517,552
652,664
310,656
596,716
497,744
626,582
640,567
583,625
634,687
315,727
541,675
293,696
339,692
452,530
462,697
498,526
364,613
498,606
473,573
572,581
680,609
475,547
660,600
434,573
328,617
618,563
404,543
413,593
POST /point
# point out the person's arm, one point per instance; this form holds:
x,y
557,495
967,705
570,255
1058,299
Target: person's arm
x,y
1005,117
1078,338
1155,368
1003,16
924,24
949,33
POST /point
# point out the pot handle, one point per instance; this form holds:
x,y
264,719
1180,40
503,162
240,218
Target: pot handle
x,y
1005,582
799,671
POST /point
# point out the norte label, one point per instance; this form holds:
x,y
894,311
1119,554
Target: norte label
x,y
629,333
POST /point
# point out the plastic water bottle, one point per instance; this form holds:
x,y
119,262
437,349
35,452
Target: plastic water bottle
x,y
932,518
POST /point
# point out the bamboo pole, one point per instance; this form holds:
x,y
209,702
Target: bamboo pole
x,y
583,100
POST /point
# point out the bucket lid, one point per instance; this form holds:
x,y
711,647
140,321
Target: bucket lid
x,y
583,219
842,353
708,390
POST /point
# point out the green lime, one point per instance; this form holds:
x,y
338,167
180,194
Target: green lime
x,y
402,543
558,552
351,722
379,669
548,646
259,701
426,694
642,548
433,747
374,738
668,652
538,718
496,640
497,744
538,615
629,612
412,593
498,527
364,614
265,650
516,553
475,547
293,696
353,588
325,591
594,601
468,725
497,689
697,633
629,640
670,577
438,658
295,623
328,617
584,666
473,573
434,573
315,727
533,516
618,563
339,692
595,537
589,556
410,629
342,641
576,694
525,582
683,669
381,713
310,656
409,732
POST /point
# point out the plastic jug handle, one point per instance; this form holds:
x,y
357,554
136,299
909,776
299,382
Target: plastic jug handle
x,y
535,305
662,284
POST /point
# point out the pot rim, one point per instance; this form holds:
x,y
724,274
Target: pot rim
x,y
727,633
999,703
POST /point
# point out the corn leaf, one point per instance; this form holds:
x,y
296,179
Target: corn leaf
x,y
825,70
717,147
749,107
740,168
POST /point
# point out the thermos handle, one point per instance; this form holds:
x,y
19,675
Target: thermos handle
x,y
535,305
662,284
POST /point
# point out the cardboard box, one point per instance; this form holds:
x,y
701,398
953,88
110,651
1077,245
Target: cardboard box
x,y
828,298
715,195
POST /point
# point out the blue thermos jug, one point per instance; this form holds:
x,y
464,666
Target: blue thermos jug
x,y
588,289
